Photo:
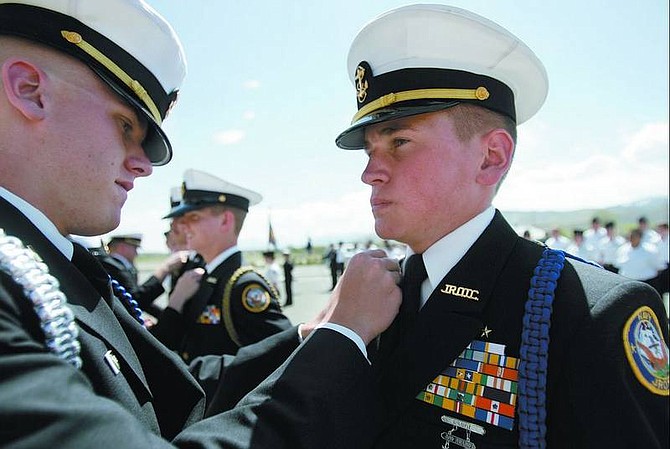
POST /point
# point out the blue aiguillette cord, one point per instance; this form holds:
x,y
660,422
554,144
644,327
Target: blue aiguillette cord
x,y
534,348
127,300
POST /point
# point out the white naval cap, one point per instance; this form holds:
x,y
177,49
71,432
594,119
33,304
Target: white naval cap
x,y
125,42
133,239
201,189
175,196
424,58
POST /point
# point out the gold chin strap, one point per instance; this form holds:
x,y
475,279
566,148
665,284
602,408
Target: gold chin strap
x,y
140,91
480,93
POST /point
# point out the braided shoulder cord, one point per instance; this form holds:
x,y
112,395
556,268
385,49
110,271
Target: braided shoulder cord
x,y
535,350
535,347
225,304
127,299
50,304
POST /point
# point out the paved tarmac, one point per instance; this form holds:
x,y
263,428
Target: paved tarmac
x,y
311,290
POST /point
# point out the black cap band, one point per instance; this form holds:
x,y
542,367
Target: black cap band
x,y
422,86
45,26
206,198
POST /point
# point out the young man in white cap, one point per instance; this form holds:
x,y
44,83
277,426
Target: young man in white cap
x,y
234,305
84,87
476,357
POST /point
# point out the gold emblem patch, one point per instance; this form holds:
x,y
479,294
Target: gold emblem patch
x,y
361,84
646,350
255,298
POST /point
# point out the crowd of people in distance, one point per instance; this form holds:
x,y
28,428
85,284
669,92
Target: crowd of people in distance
x,y
641,254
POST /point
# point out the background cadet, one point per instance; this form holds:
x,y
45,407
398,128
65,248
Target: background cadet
x,y
582,248
557,241
287,266
235,305
477,357
120,264
639,260
272,271
331,258
84,87
609,246
594,233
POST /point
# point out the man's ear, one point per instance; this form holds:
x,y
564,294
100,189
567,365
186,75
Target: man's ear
x,y
498,152
227,219
23,83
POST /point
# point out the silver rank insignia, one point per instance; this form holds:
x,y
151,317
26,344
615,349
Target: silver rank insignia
x,y
457,424
112,362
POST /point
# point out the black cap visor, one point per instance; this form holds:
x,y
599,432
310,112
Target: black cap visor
x,y
156,145
354,137
182,209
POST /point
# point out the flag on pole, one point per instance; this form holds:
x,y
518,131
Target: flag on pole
x,y
271,235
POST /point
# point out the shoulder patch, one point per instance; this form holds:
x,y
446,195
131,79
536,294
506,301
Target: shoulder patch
x,y
255,298
646,350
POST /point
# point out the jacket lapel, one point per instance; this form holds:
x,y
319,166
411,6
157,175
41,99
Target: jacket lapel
x,y
199,301
449,321
92,313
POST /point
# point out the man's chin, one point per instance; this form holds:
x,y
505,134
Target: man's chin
x,y
382,230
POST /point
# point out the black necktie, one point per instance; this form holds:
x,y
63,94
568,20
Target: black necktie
x,y
92,270
413,276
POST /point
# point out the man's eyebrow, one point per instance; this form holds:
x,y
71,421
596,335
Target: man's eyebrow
x,y
394,128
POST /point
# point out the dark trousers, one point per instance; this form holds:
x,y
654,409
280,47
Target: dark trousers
x,y
661,282
333,274
289,292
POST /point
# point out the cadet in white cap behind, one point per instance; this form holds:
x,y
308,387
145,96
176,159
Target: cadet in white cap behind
x,y
84,88
235,305
488,350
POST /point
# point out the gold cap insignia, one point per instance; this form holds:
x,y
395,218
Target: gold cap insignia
x,y
361,84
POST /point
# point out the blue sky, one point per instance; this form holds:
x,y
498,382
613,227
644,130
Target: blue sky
x,y
267,93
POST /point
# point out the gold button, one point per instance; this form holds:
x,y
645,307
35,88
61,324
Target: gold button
x,y
482,93
71,36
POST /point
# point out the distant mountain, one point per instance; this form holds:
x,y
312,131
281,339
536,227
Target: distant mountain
x,y
625,216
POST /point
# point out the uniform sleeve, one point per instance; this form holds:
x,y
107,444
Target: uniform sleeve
x,y
256,313
617,396
319,398
148,291
226,379
170,328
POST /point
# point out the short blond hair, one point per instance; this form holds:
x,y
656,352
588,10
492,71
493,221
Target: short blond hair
x,y
470,120
239,215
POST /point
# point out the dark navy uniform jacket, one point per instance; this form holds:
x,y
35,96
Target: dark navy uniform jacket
x,y
454,379
222,316
319,397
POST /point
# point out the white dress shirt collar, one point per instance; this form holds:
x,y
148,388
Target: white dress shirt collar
x,y
218,260
444,254
40,221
